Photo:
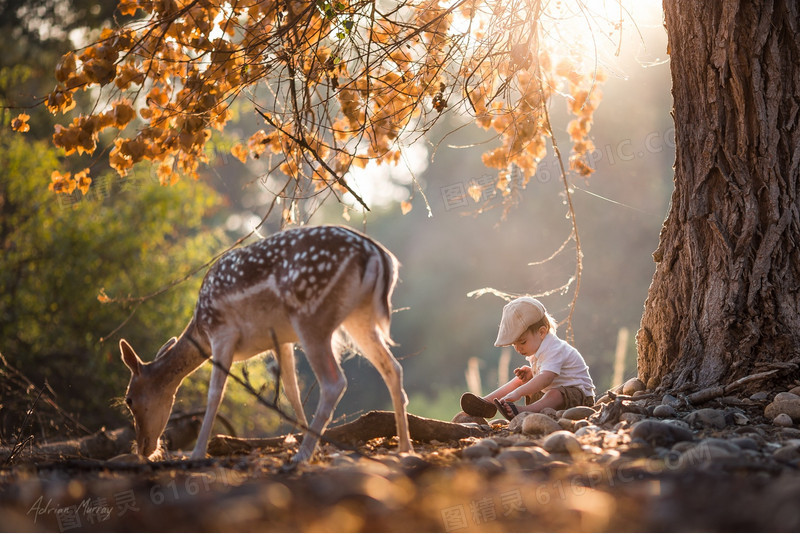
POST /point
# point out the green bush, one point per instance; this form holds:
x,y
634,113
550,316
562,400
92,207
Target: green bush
x,y
128,238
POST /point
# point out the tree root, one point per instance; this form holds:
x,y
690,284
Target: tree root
x,y
374,424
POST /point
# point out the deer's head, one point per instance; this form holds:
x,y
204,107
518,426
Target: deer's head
x,y
148,398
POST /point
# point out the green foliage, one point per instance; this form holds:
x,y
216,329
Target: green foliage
x,y
442,404
239,407
58,254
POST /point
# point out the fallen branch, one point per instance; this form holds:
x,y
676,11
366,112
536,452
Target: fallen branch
x,y
101,445
374,424
705,395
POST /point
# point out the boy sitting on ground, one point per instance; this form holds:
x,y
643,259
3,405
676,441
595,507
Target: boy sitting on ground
x,y
557,376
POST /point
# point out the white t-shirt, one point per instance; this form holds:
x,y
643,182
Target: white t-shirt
x,y
561,358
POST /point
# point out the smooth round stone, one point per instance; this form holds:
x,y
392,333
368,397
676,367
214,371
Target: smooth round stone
x,y
662,411
632,386
473,452
515,425
566,424
701,455
539,424
550,412
523,458
660,433
728,445
784,403
748,444
466,419
587,430
631,418
707,417
578,412
671,401
787,453
490,443
489,465
782,419
562,441
577,425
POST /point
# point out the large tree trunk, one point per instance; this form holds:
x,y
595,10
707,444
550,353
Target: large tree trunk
x,y
725,297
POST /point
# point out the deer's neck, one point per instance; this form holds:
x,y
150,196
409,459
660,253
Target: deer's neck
x,y
185,356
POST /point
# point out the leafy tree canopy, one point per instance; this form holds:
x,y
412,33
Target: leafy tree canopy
x,y
338,83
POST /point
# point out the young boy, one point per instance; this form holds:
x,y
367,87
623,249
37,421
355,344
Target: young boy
x,y
557,375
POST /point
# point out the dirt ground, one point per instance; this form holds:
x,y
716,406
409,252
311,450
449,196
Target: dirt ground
x,y
737,473
441,488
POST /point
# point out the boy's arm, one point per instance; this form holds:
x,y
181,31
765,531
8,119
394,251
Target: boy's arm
x,y
534,385
504,390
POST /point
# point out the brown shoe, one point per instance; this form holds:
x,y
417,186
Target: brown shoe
x,y
474,405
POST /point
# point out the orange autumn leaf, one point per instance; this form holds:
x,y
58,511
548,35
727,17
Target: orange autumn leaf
x,y
83,181
240,152
20,123
62,183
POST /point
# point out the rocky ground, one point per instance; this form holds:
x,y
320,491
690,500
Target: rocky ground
x,y
638,461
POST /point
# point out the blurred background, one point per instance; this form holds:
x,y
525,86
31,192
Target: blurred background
x,y
131,238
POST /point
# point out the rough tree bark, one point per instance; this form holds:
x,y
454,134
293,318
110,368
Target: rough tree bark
x,y
725,298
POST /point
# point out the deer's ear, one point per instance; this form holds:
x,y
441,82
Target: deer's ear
x,y
166,347
130,358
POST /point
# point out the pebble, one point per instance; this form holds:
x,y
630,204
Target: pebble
x,y
489,443
787,453
577,425
523,458
707,417
782,419
660,433
631,418
515,425
489,465
632,386
562,441
587,430
578,412
550,412
740,419
702,455
662,411
539,424
795,390
784,403
669,400
566,424
473,452
465,418
748,444
759,396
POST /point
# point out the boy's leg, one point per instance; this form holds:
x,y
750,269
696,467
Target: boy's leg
x,y
530,399
552,399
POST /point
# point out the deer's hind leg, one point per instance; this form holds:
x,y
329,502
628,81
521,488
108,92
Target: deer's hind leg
x,y
318,348
362,327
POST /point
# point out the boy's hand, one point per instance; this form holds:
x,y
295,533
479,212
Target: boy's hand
x,y
524,373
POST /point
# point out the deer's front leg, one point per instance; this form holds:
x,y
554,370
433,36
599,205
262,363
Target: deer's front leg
x,y
222,360
289,379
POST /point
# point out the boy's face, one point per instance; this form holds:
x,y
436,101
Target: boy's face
x,y
529,342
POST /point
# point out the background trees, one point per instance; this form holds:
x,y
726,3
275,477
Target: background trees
x,y
456,251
